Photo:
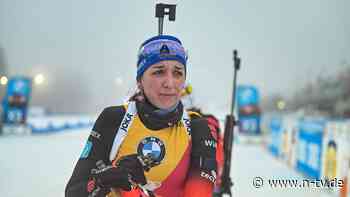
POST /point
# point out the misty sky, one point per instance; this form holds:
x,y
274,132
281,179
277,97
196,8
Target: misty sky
x,y
83,46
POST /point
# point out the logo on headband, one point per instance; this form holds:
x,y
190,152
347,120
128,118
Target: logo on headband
x,y
164,50
153,146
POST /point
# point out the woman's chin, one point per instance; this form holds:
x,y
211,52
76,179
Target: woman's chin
x,y
166,105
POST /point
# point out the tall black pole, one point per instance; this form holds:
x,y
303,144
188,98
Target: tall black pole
x,y
160,25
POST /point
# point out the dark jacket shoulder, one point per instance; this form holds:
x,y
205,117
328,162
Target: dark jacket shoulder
x,y
106,127
109,118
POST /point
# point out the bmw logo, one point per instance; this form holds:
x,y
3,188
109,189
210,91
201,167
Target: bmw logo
x,y
153,146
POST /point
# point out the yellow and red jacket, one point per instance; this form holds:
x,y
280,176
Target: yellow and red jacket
x,y
174,177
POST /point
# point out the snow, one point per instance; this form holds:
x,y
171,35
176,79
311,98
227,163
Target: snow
x,y
252,160
40,165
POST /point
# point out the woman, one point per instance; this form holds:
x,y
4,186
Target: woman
x,y
151,146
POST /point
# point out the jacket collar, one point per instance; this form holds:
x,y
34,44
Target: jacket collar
x,y
156,121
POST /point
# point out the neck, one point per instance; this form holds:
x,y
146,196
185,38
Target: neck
x,y
167,110
162,111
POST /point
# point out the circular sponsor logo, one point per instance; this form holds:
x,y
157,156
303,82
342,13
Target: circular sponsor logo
x,y
153,146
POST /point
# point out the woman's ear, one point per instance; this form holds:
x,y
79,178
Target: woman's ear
x,y
139,85
140,95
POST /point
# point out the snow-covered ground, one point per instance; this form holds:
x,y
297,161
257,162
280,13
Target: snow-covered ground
x,y
40,165
252,161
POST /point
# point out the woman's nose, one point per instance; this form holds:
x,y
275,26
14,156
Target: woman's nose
x,y
169,81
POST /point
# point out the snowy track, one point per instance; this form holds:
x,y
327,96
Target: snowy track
x,y
252,161
40,165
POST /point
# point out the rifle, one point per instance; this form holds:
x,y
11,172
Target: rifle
x,y
230,123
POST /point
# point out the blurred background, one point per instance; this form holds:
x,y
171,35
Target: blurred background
x,y
63,62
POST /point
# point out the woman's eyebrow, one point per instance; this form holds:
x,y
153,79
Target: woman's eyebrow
x,y
158,66
179,67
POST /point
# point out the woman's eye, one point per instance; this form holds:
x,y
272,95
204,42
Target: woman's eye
x,y
179,73
158,72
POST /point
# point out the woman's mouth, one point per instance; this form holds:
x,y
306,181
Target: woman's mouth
x,y
167,95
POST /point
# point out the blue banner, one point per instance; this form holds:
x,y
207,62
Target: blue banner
x,y
309,147
247,95
276,130
250,124
15,102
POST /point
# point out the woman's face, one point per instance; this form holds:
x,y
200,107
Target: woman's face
x,y
163,82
